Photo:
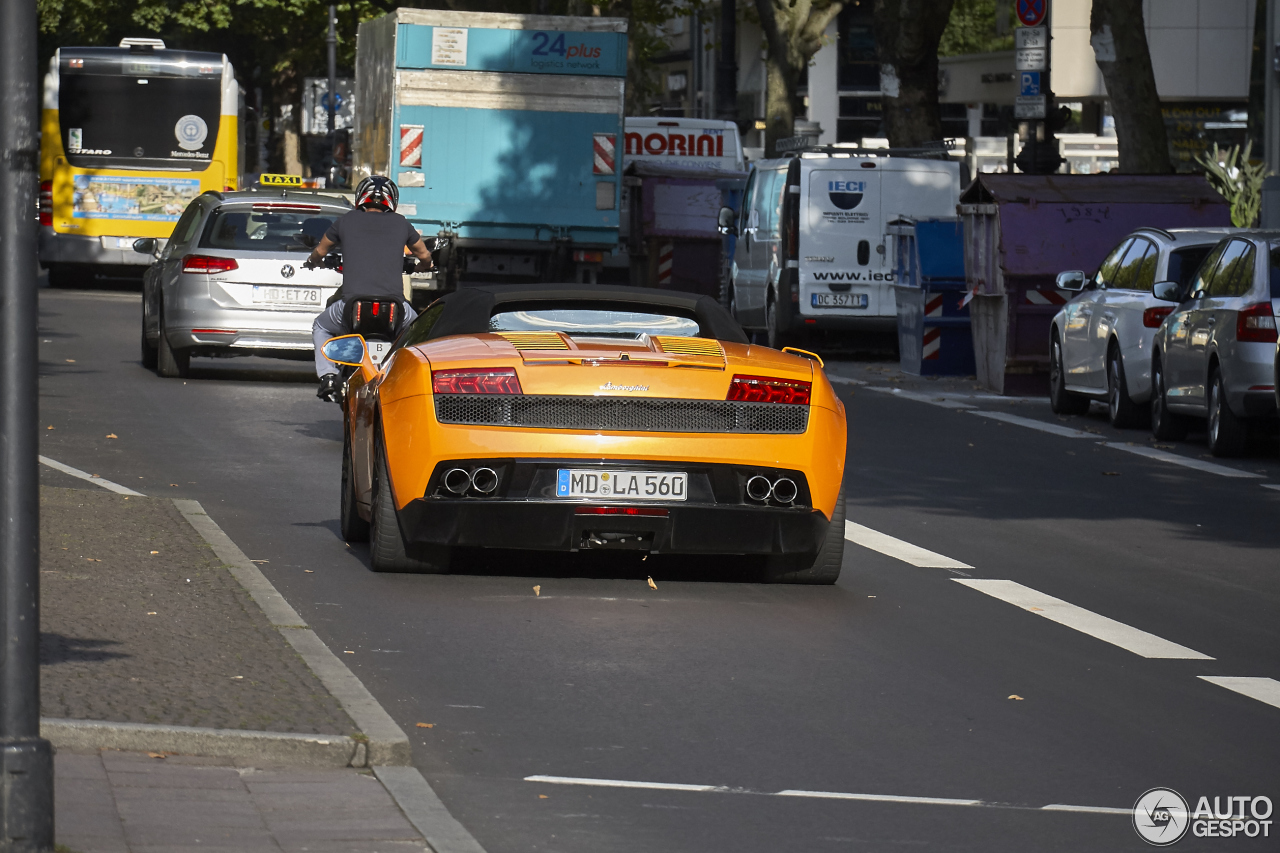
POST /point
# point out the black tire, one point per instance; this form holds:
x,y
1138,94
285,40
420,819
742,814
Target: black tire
x,y
775,338
387,549
354,528
171,363
822,568
1228,433
1165,425
1062,401
61,275
1121,410
149,351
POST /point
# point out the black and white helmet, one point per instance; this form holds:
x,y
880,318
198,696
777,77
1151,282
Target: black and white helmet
x,y
379,190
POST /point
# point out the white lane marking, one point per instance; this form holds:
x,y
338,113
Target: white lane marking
x,y
896,548
881,798
97,481
932,399
1062,807
1085,621
1263,689
1065,432
619,783
816,795
845,380
1185,461
1271,486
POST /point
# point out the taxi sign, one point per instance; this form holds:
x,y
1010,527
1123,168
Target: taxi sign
x,y
269,180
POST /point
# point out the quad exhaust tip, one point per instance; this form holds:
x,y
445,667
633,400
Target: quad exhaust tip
x,y
457,481
759,488
785,490
484,480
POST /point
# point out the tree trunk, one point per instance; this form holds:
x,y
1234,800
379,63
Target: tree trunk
x,y
793,32
1119,40
907,36
779,104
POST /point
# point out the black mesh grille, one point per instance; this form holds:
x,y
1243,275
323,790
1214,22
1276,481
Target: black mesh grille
x,y
619,413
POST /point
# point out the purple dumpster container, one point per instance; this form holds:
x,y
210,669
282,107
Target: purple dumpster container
x,y
1020,231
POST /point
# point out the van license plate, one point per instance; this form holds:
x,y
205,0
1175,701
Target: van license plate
x,y
594,484
838,300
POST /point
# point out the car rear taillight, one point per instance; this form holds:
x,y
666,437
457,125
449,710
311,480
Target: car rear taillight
x,y
471,380
765,389
208,264
1256,324
46,202
1153,317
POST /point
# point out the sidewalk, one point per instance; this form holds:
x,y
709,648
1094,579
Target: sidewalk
x,y
189,707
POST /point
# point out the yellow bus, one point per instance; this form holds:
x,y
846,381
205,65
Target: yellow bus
x,y
129,136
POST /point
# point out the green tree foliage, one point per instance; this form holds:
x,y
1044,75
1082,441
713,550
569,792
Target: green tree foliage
x,y
973,28
1238,180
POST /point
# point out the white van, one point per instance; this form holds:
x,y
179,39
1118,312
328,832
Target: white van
x,y
812,250
693,143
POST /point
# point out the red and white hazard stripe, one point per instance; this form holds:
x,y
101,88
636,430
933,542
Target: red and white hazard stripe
x,y
664,263
602,145
1045,297
932,344
933,307
411,145
968,297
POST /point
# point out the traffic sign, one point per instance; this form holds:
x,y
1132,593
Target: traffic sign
x,y
1031,59
1029,107
1025,37
1028,83
1032,12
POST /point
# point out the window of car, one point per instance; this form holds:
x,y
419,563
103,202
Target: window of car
x,y
1184,262
1107,269
1234,270
419,331
1127,273
1275,271
1205,273
748,201
620,322
248,229
185,228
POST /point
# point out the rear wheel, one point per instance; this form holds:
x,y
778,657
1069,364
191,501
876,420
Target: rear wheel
x,y
777,337
824,567
1121,409
170,362
354,528
1165,425
1228,434
1062,401
149,350
387,549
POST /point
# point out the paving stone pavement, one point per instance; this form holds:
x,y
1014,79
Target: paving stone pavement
x,y
125,802
128,635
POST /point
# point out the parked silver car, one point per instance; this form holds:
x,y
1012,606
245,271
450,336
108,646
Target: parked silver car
x,y
1214,356
1100,344
230,281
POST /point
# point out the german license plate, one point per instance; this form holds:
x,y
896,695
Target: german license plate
x,y
838,300
274,295
594,484
378,350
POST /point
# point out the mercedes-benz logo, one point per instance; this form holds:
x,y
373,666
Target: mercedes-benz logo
x,y
286,271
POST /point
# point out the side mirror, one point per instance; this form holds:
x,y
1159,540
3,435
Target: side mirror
x,y
727,219
1071,280
145,245
347,349
1167,291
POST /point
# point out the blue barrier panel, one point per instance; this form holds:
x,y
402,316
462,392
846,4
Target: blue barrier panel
x,y
934,337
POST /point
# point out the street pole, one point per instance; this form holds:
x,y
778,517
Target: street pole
x,y
26,761
727,67
332,41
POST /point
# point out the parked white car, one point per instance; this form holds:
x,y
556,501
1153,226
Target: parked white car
x,y
1100,345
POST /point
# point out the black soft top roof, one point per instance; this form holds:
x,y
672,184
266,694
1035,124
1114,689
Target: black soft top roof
x,y
467,310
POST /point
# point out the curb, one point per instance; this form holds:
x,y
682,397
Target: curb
x,y
387,743
296,750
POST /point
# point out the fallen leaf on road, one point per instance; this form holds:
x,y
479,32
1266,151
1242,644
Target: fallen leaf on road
x,y
156,754
426,725
259,561
309,571
48,427
870,596
652,585
542,796
537,589
155,552
175,485
151,613
71,361
1015,697
237,678
1041,609
112,435
348,653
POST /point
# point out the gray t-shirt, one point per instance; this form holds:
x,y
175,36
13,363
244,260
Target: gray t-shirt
x,y
372,247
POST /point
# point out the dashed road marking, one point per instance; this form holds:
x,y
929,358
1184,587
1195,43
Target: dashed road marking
x,y
845,380
896,548
97,481
1271,486
1085,621
1263,689
943,401
1062,807
1185,461
1030,423
881,798
618,783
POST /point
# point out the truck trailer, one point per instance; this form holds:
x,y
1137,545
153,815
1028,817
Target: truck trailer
x,y
504,134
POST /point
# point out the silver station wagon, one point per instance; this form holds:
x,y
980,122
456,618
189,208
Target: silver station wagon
x,y
230,280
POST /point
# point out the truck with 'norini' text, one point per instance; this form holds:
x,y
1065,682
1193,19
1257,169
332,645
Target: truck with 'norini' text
x,y
504,134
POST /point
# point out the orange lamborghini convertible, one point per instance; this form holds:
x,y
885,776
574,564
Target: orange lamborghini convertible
x,y
576,417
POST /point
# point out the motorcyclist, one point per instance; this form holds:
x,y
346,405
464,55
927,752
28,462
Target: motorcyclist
x,y
373,238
